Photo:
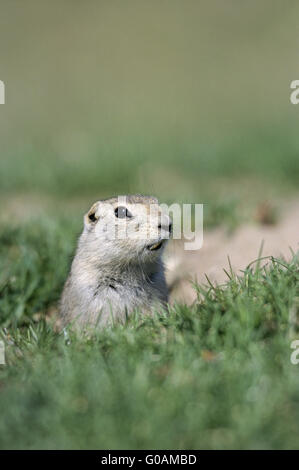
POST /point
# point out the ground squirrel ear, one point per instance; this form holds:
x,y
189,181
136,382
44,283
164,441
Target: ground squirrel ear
x,y
91,217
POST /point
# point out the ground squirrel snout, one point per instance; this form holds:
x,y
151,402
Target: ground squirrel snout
x,y
117,268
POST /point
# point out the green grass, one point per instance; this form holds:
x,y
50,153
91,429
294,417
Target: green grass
x,y
214,375
174,168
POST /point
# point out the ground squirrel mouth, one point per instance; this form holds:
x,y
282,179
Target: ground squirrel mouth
x,y
155,246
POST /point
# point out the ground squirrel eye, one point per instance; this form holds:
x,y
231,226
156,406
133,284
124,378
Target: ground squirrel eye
x,y
92,217
122,212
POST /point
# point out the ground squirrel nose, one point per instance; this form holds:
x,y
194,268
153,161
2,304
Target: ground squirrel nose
x,y
165,223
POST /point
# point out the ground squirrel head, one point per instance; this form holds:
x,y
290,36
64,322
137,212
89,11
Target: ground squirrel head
x,y
125,229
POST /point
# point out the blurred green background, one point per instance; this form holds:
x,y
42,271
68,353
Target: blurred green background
x,y
187,100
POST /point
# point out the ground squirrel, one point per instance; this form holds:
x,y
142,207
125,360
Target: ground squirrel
x,y
117,268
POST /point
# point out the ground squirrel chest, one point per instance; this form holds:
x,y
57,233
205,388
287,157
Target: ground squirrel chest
x,y
117,268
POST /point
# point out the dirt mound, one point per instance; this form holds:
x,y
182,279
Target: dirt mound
x,y
242,247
